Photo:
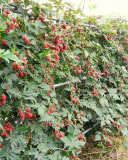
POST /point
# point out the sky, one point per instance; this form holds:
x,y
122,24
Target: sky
x,y
104,7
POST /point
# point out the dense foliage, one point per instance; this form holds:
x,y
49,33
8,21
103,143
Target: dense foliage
x,y
38,120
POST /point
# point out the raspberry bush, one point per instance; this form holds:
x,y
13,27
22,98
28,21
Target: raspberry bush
x,y
38,120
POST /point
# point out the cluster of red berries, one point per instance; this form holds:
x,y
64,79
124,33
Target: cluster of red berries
x,y
27,136
125,58
118,126
74,99
3,98
79,114
58,135
15,1
105,72
5,14
18,66
126,41
52,109
28,114
11,25
26,39
110,36
78,69
48,124
109,143
66,123
6,129
21,115
95,92
48,80
80,136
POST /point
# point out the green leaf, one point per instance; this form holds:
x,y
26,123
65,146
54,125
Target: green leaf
x,y
77,51
67,141
86,53
115,96
103,101
9,55
95,108
41,110
1,139
44,86
125,144
97,137
112,90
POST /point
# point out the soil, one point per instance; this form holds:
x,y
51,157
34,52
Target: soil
x,y
98,150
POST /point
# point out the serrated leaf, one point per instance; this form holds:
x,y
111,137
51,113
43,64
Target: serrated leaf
x,y
44,86
77,51
41,110
1,139
97,137
112,90
95,108
115,96
103,101
66,140
86,53
125,144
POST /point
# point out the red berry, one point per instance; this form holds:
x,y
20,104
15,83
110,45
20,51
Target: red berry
x,y
7,11
45,79
16,25
23,37
77,58
34,116
12,24
3,42
26,39
22,118
51,65
0,145
56,131
28,109
57,125
48,57
75,112
3,97
7,22
21,74
11,27
26,73
105,131
30,115
5,14
45,45
1,103
17,74
14,19
49,123
4,102
15,53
